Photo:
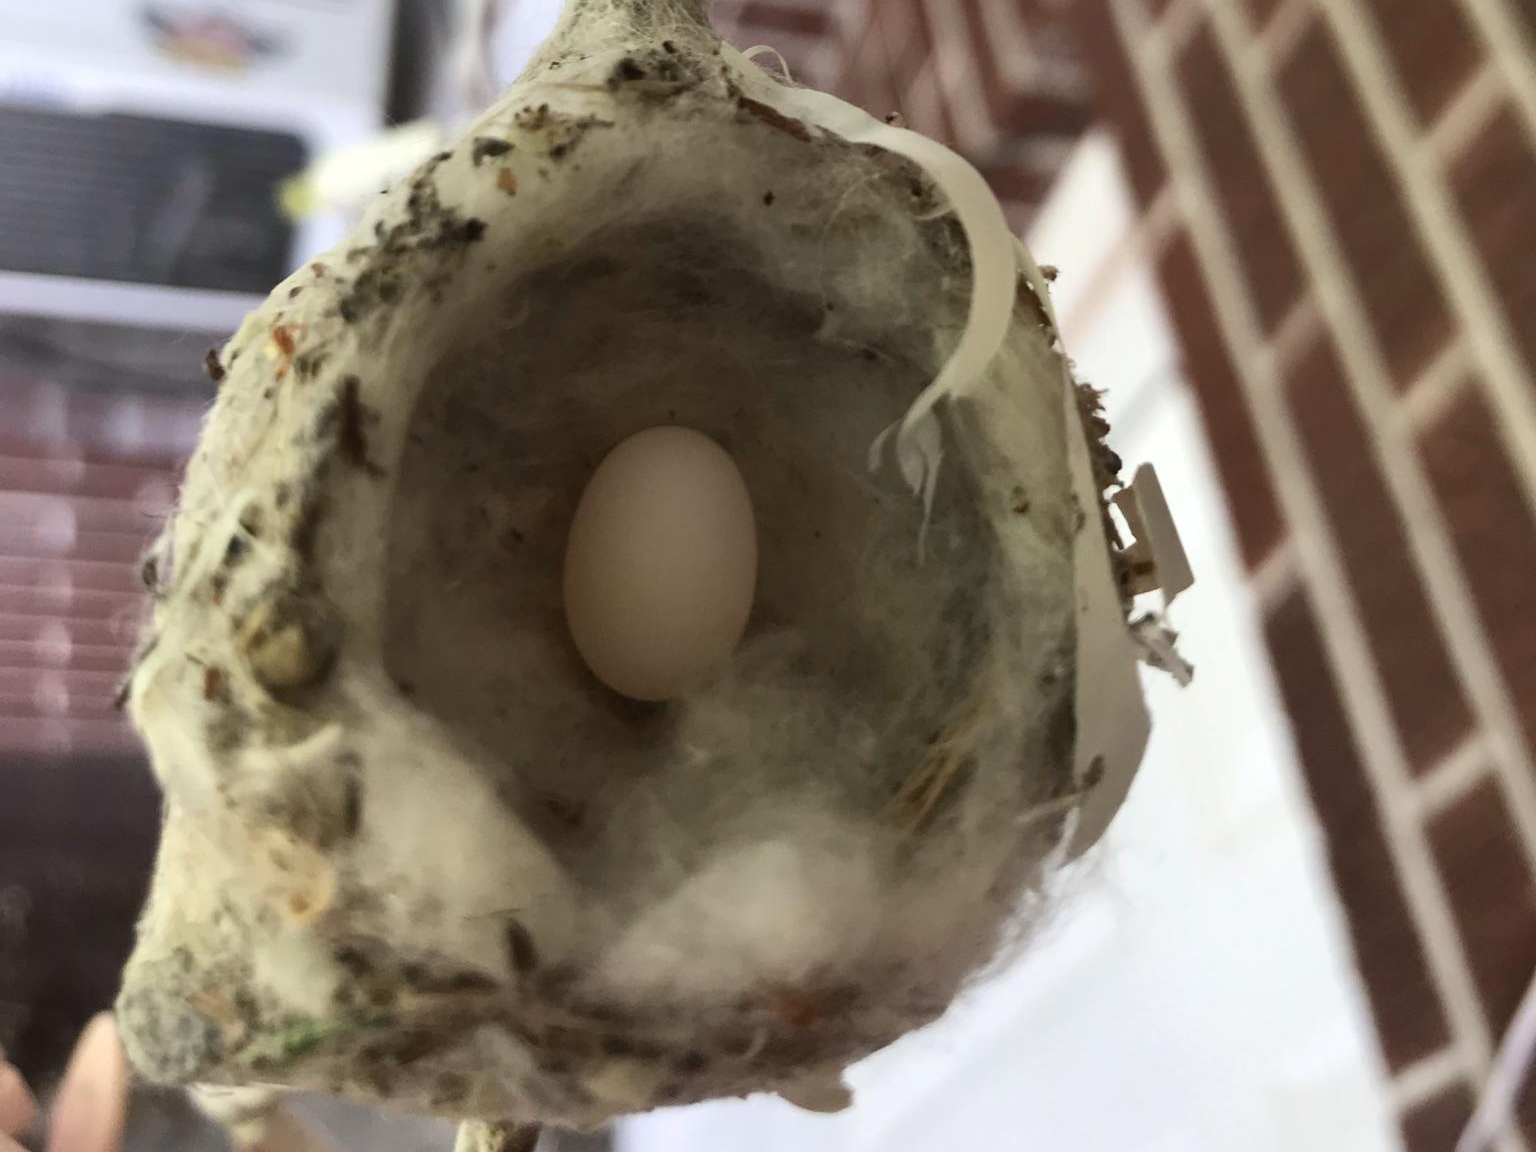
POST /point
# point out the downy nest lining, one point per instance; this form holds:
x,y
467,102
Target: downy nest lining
x,y
413,851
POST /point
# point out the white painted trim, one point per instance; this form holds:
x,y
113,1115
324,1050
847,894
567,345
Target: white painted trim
x,y
1437,387
1139,247
1423,1080
1343,635
1283,32
1454,777
1174,29
1294,334
1467,113
1507,40
1276,577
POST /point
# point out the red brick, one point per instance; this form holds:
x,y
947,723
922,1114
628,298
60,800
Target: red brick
x,y
1494,534
1118,97
943,127
1435,1125
1019,181
907,43
1492,894
1495,181
25,633
1026,111
1433,46
1407,310
1038,13
1229,429
1426,700
1409,1018
924,39
84,577
1260,12
792,18
868,82
1247,198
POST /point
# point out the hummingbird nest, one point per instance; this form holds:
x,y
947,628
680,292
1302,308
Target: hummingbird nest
x,y
414,852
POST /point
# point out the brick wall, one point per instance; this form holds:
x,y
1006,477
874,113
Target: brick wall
x,y
1344,201
88,466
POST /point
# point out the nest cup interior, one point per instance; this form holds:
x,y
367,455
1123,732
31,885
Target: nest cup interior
x,y
858,652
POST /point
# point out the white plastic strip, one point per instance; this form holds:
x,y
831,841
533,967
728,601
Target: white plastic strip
x,y
991,242
1112,720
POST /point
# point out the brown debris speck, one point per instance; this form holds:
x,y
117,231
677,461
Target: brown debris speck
x,y
352,807
627,71
213,683
520,947
283,339
532,119
307,364
488,146
306,525
212,366
506,180
773,117
350,433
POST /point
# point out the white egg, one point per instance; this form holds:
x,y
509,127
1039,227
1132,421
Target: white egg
x,y
661,565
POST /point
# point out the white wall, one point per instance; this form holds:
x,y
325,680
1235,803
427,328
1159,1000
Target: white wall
x,y
1196,993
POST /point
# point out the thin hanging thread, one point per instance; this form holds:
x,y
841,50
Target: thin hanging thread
x,y
1495,1109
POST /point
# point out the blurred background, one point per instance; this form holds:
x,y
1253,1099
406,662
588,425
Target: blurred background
x,y
1295,242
